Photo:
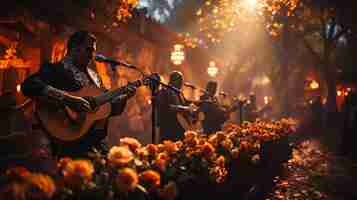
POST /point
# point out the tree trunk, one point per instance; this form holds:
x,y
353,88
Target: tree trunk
x,y
284,74
331,104
331,81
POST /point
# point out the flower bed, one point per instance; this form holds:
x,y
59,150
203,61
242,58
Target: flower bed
x,y
206,167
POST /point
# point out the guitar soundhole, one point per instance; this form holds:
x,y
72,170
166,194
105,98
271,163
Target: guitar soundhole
x,y
93,110
74,117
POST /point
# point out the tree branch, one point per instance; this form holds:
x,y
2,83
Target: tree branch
x,y
323,22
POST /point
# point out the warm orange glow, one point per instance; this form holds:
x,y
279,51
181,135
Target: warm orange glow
x,y
212,70
314,85
217,18
339,93
346,93
18,88
125,10
250,4
102,71
266,100
10,58
58,51
178,55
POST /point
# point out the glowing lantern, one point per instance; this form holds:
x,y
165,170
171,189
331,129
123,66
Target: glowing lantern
x,y
266,100
212,70
314,85
339,93
18,88
177,55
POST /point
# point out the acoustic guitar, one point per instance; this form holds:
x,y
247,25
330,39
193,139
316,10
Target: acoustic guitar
x,y
66,124
227,110
189,119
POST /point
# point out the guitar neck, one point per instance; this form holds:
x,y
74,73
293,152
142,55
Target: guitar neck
x,y
110,95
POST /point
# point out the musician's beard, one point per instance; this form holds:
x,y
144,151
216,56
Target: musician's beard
x,y
80,61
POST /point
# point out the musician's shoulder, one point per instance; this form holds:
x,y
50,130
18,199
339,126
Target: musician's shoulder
x,y
163,90
51,67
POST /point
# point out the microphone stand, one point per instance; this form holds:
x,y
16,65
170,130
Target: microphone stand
x,y
154,87
154,114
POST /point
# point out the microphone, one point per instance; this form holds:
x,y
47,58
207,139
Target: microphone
x,y
223,94
189,85
104,59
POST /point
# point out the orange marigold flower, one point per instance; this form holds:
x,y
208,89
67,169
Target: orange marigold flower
x,y
207,150
232,135
161,161
63,162
43,183
132,143
229,127
120,156
218,173
213,140
160,148
18,172
170,147
227,144
142,153
190,135
179,144
150,178
244,145
161,164
163,156
193,142
152,149
221,161
127,179
201,141
78,171
221,136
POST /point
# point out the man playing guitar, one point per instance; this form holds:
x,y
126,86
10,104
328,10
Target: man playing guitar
x,y
212,114
170,104
55,81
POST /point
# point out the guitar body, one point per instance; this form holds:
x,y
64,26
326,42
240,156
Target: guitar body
x,y
188,122
67,125
234,106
